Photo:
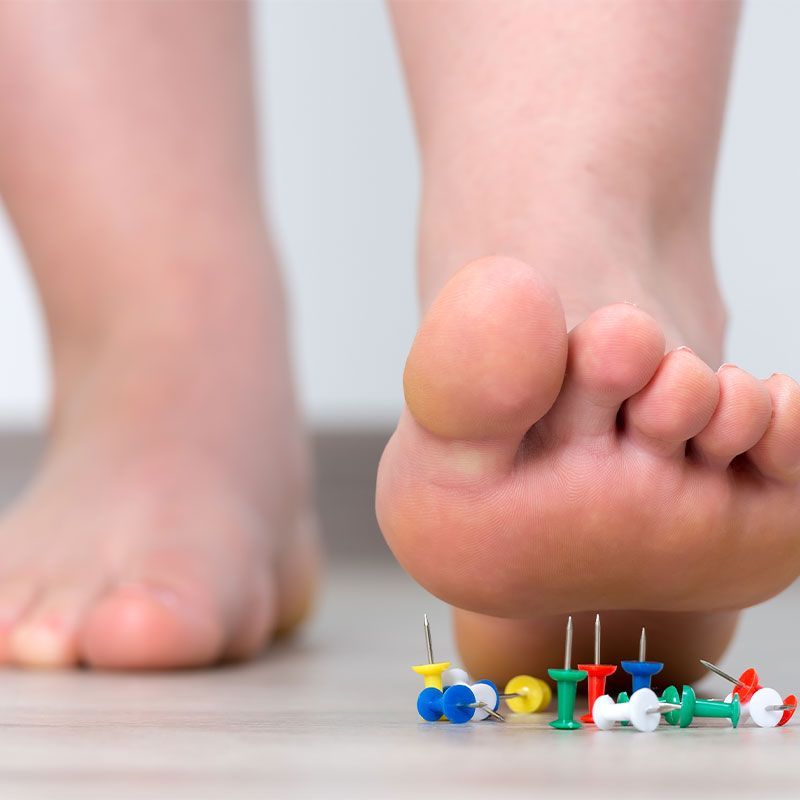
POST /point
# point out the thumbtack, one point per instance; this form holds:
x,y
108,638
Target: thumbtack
x,y
643,711
763,703
525,694
567,680
746,685
454,675
457,704
487,700
597,673
691,707
642,671
432,671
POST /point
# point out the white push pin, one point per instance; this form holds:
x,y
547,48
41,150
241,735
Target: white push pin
x,y
643,711
454,675
766,708
487,700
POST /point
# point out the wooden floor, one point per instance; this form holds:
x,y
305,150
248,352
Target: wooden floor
x,y
331,714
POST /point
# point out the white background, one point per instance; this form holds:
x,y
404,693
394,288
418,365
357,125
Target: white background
x,y
342,174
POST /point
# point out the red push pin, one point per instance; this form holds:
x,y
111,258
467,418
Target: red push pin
x,y
597,673
747,685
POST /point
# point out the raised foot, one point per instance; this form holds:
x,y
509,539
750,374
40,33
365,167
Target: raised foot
x,y
537,472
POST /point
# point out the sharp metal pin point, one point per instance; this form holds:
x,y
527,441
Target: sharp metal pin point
x,y
567,681
642,645
597,673
431,672
568,645
781,707
642,671
715,669
428,641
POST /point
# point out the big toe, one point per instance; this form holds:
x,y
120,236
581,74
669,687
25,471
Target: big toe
x,y
489,357
167,623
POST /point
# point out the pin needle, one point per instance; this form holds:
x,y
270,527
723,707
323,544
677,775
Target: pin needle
x,y
783,707
663,708
428,643
643,646
597,639
568,644
708,665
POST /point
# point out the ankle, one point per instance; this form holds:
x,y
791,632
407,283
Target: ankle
x,y
596,248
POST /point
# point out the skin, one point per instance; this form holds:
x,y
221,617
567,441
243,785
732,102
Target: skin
x,y
537,472
170,524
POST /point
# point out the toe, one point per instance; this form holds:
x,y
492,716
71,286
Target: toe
x,y
677,404
739,420
777,453
489,357
47,634
16,596
612,355
143,626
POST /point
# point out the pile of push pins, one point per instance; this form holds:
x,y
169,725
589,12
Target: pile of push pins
x,y
449,694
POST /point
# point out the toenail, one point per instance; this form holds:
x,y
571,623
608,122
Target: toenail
x,y
726,365
631,303
685,349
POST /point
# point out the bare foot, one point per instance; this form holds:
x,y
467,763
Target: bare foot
x,y
536,473
170,524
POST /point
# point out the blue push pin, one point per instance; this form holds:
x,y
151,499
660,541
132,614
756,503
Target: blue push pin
x,y
457,704
642,670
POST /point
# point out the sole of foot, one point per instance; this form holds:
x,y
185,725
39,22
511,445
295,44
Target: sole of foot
x,y
537,472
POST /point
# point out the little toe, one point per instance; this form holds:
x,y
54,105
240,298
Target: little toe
x,y
677,404
613,354
777,453
47,634
739,420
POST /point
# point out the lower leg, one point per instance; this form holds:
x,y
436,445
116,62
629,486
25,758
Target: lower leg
x,y
170,524
583,141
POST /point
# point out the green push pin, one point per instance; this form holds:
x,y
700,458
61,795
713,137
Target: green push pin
x,y
567,681
622,697
691,707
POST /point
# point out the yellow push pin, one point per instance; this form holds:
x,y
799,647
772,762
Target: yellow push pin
x,y
527,695
431,672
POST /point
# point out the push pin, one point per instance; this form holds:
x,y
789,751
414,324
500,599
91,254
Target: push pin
x,y
690,707
454,675
567,680
457,704
747,685
432,671
525,694
641,671
767,709
643,711
487,699
597,673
